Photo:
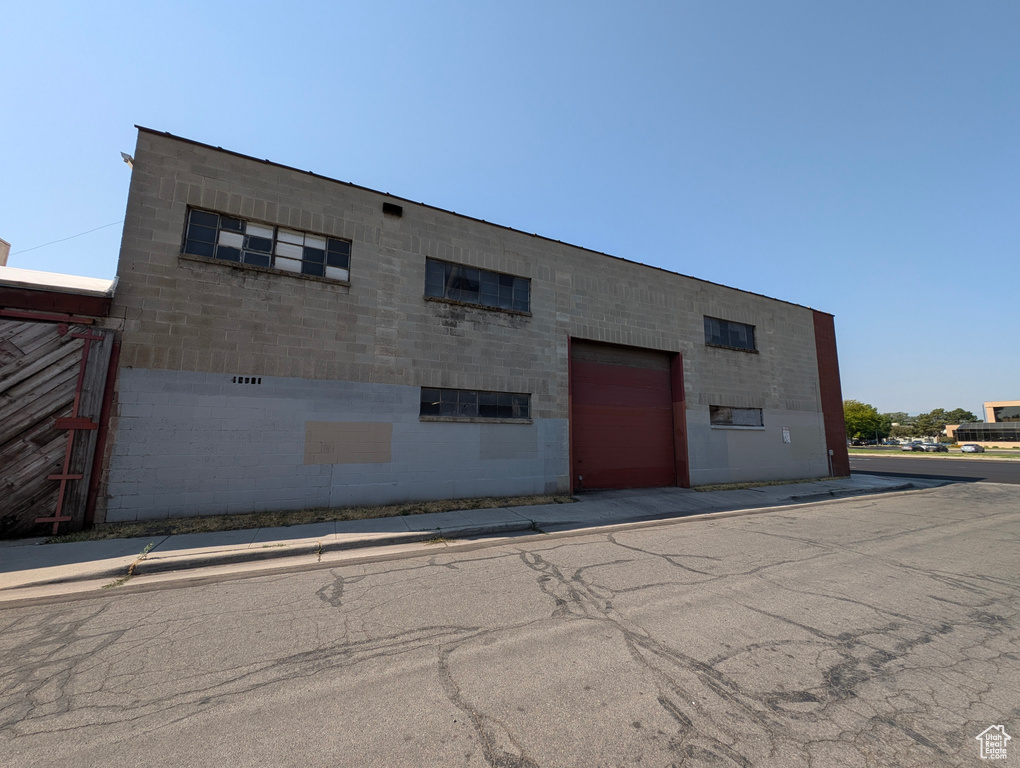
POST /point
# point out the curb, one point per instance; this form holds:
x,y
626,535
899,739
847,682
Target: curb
x,y
180,562
273,552
851,492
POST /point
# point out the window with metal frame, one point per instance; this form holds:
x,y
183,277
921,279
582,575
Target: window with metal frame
x,y
726,333
444,280
470,403
725,416
220,236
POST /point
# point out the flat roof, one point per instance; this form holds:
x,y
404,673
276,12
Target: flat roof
x,y
54,281
464,216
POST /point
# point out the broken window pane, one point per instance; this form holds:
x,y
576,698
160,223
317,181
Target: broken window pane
x,y
469,403
477,286
233,239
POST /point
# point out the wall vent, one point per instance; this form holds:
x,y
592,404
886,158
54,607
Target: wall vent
x,y
393,209
246,379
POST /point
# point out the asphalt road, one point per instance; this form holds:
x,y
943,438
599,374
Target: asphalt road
x,y
878,631
964,470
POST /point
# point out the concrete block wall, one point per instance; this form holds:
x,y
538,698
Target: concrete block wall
x,y
181,314
192,443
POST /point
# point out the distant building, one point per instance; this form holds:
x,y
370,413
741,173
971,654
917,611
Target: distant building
x,y
1001,427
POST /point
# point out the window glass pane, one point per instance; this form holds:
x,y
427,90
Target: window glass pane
x,y
290,236
448,402
487,405
489,289
522,288
229,254
463,284
314,255
204,218
314,241
467,404
258,244
228,222
202,234
338,246
521,406
311,268
430,401
504,405
258,259
199,248
339,260
435,278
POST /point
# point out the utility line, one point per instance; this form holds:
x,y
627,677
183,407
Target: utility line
x,y
37,247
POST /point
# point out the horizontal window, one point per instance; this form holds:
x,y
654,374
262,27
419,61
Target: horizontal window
x,y
1006,413
226,237
470,403
725,333
444,280
987,433
725,416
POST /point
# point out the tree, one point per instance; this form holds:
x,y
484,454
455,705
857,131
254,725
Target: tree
x,y
931,424
960,416
898,417
863,421
902,430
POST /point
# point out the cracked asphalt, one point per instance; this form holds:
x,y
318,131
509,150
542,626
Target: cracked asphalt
x,y
879,631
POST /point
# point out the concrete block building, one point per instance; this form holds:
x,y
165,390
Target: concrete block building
x,y
290,341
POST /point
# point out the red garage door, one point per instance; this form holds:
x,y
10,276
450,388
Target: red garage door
x,y
622,428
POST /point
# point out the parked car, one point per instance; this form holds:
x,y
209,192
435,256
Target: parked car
x,y
911,447
972,448
935,448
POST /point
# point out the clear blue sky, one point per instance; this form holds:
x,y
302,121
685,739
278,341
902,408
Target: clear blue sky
x,y
860,158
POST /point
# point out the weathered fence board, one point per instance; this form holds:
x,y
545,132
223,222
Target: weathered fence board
x,y
39,369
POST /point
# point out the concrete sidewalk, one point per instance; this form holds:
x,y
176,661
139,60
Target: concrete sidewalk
x,y
31,563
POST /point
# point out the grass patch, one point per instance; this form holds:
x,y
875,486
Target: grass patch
x,y
759,484
131,568
214,523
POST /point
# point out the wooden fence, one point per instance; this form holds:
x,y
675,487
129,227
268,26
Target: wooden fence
x,y
51,396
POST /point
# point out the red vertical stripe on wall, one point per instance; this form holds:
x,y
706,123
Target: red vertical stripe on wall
x,y
831,393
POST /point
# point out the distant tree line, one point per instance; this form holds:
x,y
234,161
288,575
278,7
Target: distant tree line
x,y
864,422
